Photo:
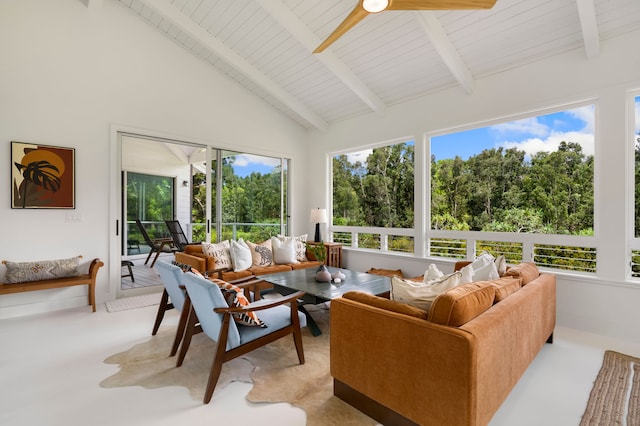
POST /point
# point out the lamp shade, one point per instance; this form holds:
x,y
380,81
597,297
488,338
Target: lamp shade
x,y
318,216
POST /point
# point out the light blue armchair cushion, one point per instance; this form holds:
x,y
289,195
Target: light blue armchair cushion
x,y
170,275
275,319
206,296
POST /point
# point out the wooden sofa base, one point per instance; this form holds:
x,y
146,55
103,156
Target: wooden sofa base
x,y
368,406
85,279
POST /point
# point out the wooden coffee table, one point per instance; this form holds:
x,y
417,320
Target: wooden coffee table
x,y
316,292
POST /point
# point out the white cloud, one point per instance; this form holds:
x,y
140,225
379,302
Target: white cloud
x,y
360,156
586,115
552,142
526,125
244,160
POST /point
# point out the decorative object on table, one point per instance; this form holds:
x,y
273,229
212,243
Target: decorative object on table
x,y
338,276
323,275
42,177
318,216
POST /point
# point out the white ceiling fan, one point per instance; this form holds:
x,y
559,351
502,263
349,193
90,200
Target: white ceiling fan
x,y
367,7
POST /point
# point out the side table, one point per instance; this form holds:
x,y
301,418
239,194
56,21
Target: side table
x,y
334,253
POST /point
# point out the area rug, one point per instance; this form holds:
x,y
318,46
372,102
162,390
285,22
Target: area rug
x,y
273,370
615,397
134,302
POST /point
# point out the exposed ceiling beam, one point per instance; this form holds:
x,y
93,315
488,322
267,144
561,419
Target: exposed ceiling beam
x,y
308,39
452,59
178,19
589,24
93,4
177,152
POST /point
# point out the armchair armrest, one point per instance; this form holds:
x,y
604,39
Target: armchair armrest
x,y
265,304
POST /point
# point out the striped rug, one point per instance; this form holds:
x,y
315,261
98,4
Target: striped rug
x,y
615,397
134,302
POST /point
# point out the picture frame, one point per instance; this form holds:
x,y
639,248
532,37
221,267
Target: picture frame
x,y
42,176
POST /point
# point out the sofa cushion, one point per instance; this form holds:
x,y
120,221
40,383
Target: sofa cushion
x,y
261,254
284,250
528,271
386,272
506,286
421,294
220,253
240,255
19,272
382,303
462,304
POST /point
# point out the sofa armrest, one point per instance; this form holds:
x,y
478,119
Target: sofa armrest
x,y
422,370
197,262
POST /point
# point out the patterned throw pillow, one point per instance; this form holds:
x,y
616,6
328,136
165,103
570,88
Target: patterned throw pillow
x,y
261,254
19,272
235,298
301,247
220,253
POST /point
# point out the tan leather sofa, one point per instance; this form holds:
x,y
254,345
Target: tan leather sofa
x,y
453,366
194,256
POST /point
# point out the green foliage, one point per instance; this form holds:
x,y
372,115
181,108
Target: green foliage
x,y
499,190
380,193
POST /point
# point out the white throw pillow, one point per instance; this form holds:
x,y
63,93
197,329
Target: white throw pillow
x,y
501,264
487,272
240,255
420,294
220,253
432,273
284,250
301,247
482,260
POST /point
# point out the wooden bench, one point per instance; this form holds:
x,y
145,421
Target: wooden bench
x,y
84,279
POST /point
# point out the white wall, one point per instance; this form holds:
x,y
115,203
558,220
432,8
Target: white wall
x,y
67,75
608,305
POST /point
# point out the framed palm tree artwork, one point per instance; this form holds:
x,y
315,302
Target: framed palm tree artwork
x,y
42,176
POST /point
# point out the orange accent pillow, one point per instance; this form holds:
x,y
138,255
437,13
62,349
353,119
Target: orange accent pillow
x,y
528,271
462,304
382,303
236,299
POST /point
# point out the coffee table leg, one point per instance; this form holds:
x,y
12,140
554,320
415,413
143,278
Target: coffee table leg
x,y
311,323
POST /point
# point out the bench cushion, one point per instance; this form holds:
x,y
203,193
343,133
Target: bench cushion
x,y
19,272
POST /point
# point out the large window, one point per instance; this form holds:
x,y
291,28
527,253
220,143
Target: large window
x,y
527,176
250,200
374,189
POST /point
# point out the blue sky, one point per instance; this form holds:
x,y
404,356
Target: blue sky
x,y
246,164
532,135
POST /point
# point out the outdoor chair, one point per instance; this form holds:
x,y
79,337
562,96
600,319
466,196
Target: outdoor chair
x,y
156,245
177,234
210,310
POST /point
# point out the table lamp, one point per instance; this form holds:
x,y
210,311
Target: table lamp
x,y
318,216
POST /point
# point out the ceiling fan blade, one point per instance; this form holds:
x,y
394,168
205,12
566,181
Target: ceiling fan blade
x,y
440,4
356,15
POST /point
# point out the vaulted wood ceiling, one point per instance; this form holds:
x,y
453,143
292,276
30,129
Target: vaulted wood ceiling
x,y
388,58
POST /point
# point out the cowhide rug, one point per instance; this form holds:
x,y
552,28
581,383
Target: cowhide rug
x,y
273,370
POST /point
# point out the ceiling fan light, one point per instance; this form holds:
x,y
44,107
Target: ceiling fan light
x,y
375,6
